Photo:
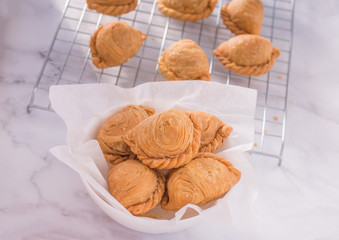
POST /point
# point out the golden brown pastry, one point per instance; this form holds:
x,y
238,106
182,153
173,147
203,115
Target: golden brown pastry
x,y
184,60
243,16
137,187
165,140
205,178
187,10
112,7
213,132
247,54
110,134
114,43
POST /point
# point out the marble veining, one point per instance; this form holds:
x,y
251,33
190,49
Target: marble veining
x,y
40,198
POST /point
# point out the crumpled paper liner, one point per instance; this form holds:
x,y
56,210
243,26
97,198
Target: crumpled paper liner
x,y
84,108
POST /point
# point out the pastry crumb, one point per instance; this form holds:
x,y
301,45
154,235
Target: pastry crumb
x,y
250,153
275,118
152,38
279,77
265,131
255,144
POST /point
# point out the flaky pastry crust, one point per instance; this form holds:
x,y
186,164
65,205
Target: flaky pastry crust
x,y
247,54
213,131
184,60
114,127
114,43
187,10
165,140
137,187
243,16
112,7
204,179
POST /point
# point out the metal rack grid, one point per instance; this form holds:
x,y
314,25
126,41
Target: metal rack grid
x,y
68,60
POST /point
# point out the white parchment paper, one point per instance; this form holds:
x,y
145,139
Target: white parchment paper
x,y
84,107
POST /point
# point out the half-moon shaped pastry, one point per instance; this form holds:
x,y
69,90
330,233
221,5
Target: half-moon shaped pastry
x,y
184,60
137,187
204,179
114,43
243,16
114,127
187,10
112,7
213,132
165,140
247,54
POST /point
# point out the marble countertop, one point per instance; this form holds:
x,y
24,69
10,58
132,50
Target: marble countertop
x,y
40,198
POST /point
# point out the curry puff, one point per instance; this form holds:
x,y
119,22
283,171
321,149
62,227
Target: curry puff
x,y
114,127
247,54
243,16
187,10
137,187
165,140
114,43
184,60
112,7
204,179
213,132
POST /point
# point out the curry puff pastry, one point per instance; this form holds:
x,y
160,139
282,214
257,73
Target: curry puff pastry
x,y
137,187
112,7
184,60
243,16
187,10
213,132
247,54
114,43
114,127
204,179
165,140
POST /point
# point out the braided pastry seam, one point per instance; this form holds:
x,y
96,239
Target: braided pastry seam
x,y
214,145
156,197
183,159
229,23
180,160
168,74
187,16
255,70
96,59
222,133
113,10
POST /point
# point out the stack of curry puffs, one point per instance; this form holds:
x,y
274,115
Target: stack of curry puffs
x,y
141,145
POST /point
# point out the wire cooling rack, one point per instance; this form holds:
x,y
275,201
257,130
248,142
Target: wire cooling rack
x,y
68,60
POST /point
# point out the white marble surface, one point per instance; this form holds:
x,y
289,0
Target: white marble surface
x,y
40,198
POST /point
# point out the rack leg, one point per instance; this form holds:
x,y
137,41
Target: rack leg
x,y
29,109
